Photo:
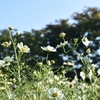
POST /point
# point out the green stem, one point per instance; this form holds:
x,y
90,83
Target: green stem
x,y
16,56
10,34
47,57
65,50
6,52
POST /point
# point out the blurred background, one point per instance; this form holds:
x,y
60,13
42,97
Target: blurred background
x,y
40,22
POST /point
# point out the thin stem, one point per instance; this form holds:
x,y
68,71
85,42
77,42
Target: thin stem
x,y
10,34
47,57
6,50
65,50
16,56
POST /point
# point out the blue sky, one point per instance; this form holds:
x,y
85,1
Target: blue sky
x,y
25,15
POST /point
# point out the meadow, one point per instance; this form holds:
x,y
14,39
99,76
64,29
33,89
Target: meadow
x,y
20,81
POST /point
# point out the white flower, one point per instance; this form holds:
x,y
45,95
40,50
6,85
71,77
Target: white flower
x,y
55,93
48,48
6,44
8,59
85,41
61,44
98,71
23,48
82,75
2,63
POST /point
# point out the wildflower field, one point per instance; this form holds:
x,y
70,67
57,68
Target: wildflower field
x,y
20,81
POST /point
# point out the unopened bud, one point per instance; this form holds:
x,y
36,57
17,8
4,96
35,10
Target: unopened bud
x,y
88,50
52,61
10,28
39,64
75,40
18,33
62,35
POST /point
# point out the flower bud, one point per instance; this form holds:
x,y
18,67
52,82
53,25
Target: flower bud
x,y
39,64
52,61
88,50
62,35
18,33
10,28
75,40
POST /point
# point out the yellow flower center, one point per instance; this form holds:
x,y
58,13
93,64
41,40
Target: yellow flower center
x,y
54,94
23,49
84,39
6,43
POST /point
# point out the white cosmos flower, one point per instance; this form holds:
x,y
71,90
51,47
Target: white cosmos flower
x,y
23,48
61,44
2,63
82,75
6,44
85,41
55,93
8,59
48,48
